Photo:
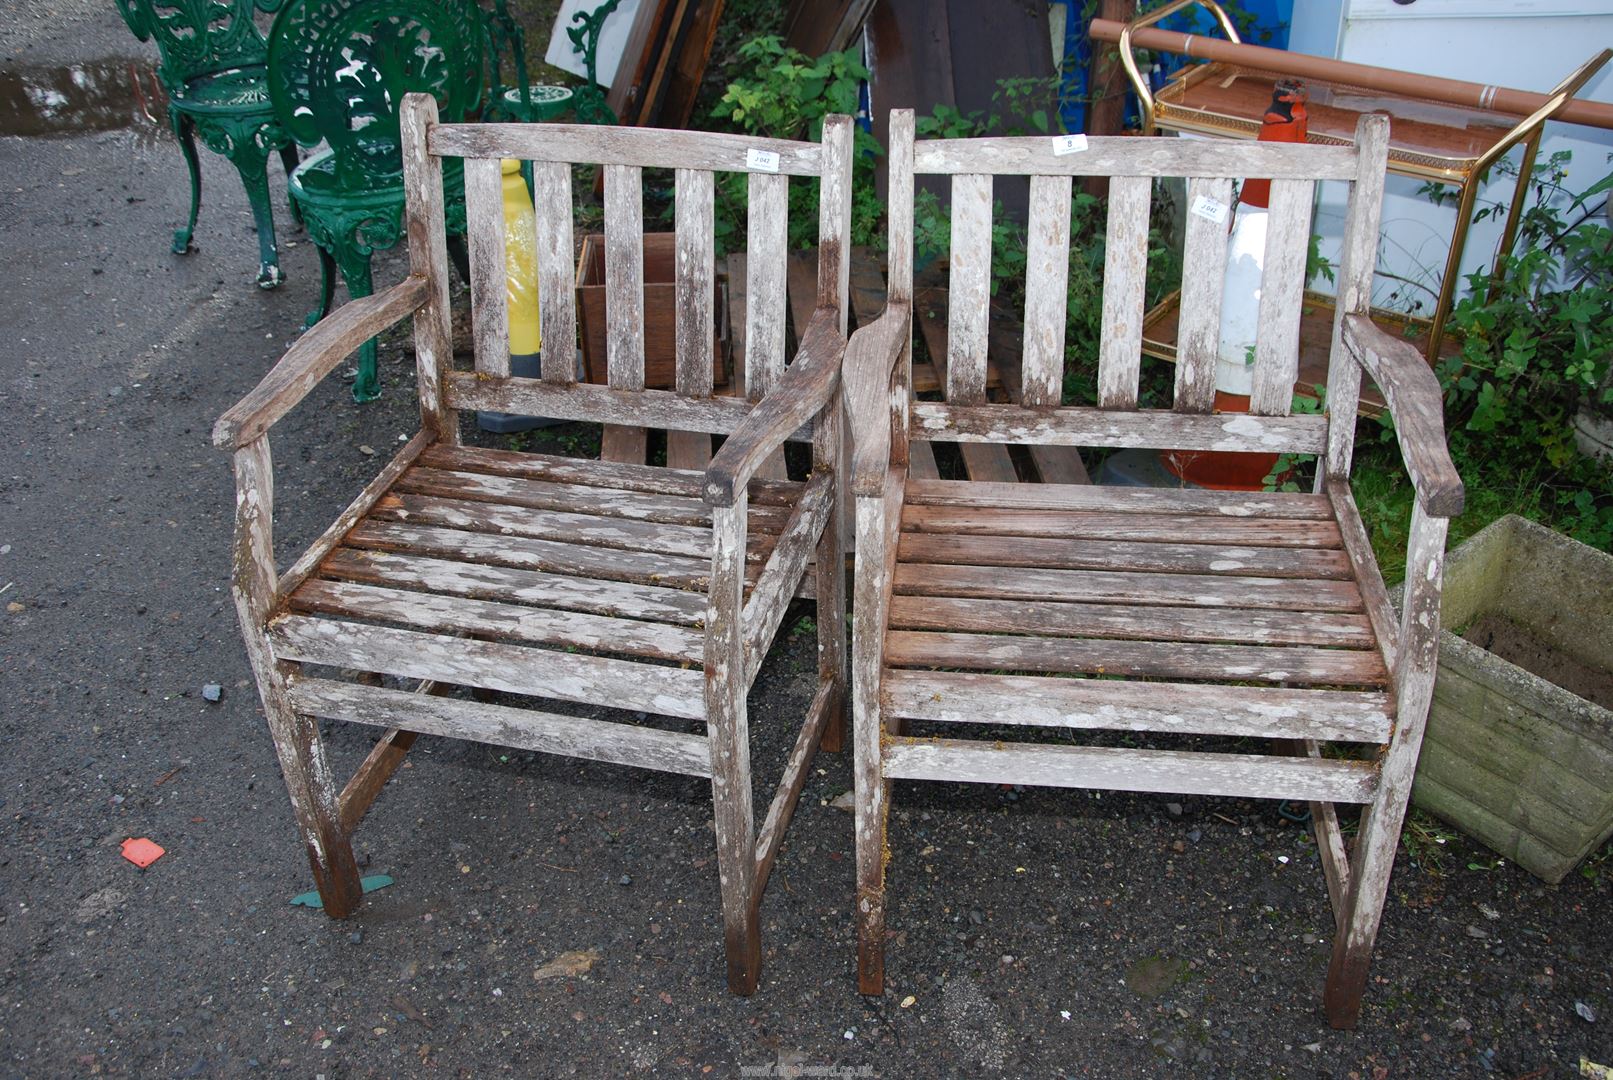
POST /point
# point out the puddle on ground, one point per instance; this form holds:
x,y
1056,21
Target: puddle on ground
x,y
103,95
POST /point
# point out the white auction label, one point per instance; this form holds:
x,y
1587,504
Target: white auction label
x,y
1068,144
1212,209
761,160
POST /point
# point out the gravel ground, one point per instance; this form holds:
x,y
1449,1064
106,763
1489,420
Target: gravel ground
x,y
1038,934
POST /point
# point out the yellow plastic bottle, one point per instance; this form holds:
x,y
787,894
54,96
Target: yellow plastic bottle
x,y
521,295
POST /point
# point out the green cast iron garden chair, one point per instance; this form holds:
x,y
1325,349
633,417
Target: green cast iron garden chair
x,y
338,70
214,68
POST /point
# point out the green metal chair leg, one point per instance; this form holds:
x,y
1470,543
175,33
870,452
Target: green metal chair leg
x,y
355,267
251,160
289,161
185,133
327,288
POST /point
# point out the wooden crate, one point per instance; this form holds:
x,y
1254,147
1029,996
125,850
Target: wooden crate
x,y
660,312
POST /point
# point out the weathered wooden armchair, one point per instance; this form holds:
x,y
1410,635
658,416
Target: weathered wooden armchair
x,y
624,586
1254,616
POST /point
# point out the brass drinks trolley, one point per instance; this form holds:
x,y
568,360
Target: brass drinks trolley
x,y
1443,130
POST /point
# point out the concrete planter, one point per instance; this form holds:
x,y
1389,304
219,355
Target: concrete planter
x,y
1512,758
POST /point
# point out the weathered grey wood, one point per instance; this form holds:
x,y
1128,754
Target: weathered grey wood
x,y
921,460
578,498
899,210
1083,426
602,404
624,302
1121,156
801,392
616,598
525,553
834,220
428,258
1364,568
484,230
766,261
589,529
1146,501
764,611
315,355
1180,772
1379,833
872,357
557,294
1101,525
513,622
373,772
969,289
1358,261
624,476
355,512
1179,708
1329,843
1047,272
729,743
1204,269
1156,623
514,669
649,148
693,377
1416,403
504,725
1282,296
1099,586
297,743
829,458
875,558
1142,659
782,808
1110,554
1125,269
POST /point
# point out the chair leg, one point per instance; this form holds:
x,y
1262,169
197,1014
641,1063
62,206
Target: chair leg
x,y
871,791
828,451
289,161
251,161
185,133
296,737
729,735
327,288
355,268
1363,908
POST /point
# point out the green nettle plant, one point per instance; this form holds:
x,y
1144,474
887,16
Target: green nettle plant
x,y
786,96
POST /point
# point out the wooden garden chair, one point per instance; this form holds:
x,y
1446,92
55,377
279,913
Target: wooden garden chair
x,y
1260,617
631,587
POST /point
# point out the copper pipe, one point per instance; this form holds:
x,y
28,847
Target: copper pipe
x,y
1428,87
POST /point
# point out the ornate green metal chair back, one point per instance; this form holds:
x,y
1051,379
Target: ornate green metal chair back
x,y
214,68
338,70
341,67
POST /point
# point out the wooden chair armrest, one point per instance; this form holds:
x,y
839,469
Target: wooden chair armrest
x,y
1417,406
313,357
871,355
806,386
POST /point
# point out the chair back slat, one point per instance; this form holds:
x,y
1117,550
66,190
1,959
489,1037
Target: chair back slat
x,y
557,296
1125,268
695,254
1282,294
899,209
766,290
484,221
624,277
1204,264
969,289
1047,273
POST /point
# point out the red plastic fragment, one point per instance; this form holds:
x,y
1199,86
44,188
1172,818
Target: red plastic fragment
x,y
142,851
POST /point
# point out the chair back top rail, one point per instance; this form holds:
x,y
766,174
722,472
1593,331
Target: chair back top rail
x,y
1132,166
625,153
